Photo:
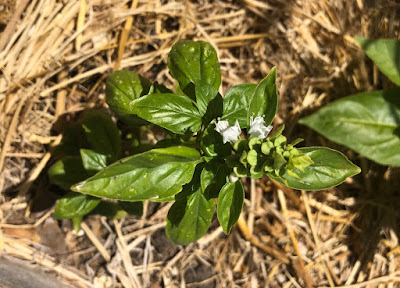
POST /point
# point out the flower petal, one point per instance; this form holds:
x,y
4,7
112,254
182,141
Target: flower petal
x,y
229,133
258,128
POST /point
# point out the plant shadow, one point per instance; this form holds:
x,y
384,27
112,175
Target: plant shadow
x,y
40,193
376,213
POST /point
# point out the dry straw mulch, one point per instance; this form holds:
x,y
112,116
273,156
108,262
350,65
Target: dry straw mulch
x,y
54,57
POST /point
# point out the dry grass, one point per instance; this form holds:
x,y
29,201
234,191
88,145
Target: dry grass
x,y
54,57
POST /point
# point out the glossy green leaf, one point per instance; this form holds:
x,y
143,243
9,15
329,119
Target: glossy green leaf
x,y
230,205
122,87
67,172
205,93
93,161
176,113
152,175
191,62
75,205
209,102
190,216
330,168
264,101
212,145
236,103
102,134
367,122
214,176
386,55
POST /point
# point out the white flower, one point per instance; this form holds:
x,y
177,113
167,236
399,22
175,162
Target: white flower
x,y
233,178
258,128
229,133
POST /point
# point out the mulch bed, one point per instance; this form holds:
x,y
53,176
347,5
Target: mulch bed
x,y
54,59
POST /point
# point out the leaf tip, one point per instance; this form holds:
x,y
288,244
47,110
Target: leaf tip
x,y
77,187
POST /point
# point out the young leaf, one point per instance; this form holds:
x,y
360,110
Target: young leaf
x,y
102,134
230,205
191,62
330,168
67,172
122,87
236,103
75,205
176,113
264,101
278,132
386,55
213,177
190,216
93,161
152,175
367,122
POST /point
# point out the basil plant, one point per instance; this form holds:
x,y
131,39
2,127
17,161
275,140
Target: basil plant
x,y
210,142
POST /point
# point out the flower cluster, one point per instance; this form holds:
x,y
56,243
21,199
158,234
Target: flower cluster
x,y
273,155
260,154
232,133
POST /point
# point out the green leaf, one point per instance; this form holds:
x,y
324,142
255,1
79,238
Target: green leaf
x,y
230,205
75,205
176,113
214,176
205,93
152,175
236,103
190,216
330,168
264,101
386,55
278,132
102,134
93,161
367,122
209,102
191,62
67,172
122,87
212,145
